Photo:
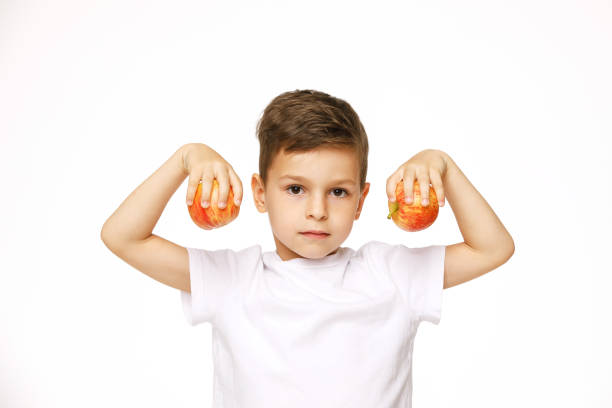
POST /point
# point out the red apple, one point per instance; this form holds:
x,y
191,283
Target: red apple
x,y
213,217
413,217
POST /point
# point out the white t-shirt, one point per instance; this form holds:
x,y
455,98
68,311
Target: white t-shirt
x,y
328,333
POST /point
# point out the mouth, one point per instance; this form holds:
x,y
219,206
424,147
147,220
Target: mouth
x,y
315,234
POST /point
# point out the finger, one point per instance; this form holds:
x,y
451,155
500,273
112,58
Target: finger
x,y
236,187
408,184
438,186
223,181
423,178
192,186
392,184
207,179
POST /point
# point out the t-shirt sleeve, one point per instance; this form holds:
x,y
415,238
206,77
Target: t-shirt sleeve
x,y
418,274
213,274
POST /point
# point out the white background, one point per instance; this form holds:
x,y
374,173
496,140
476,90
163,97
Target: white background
x,y
95,96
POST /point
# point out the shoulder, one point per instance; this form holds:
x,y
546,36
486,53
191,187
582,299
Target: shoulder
x,y
372,247
226,252
400,255
226,259
381,248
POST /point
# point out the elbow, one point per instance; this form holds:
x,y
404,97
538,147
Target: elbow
x,y
103,233
105,240
104,236
504,251
511,246
509,251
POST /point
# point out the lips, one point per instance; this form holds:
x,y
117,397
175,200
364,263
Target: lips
x,y
315,234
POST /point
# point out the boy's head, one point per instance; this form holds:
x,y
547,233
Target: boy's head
x,y
320,140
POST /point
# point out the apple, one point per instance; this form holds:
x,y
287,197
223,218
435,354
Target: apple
x,y
213,217
413,217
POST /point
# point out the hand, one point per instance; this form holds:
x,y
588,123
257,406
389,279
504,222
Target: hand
x,y
201,162
428,165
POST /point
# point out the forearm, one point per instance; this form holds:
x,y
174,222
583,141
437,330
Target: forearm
x,y
480,227
136,217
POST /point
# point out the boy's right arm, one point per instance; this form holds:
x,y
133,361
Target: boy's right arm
x,y
128,232
162,260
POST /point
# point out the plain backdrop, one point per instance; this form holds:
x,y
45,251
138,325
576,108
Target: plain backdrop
x,y
96,95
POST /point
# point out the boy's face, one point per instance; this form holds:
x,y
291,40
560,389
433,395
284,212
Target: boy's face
x,y
319,201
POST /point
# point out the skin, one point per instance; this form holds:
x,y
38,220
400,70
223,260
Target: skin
x,y
316,203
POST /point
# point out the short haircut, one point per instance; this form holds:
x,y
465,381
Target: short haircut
x,y
302,120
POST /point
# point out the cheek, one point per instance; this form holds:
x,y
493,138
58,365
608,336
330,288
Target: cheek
x,y
280,213
345,213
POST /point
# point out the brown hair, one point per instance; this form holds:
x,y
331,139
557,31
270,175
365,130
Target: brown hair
x,y
302,120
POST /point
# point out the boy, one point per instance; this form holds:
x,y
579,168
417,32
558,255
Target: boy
x,y
311,324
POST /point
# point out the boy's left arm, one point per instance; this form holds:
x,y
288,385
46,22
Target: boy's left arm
x,y
487,244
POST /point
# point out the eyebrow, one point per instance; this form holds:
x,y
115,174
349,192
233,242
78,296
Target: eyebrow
x,y
302,179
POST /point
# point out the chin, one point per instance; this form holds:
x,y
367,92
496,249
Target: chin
x,y
320,253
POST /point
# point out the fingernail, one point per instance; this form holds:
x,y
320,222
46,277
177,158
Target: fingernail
x,y
425,202
237,201
221,204
189,202
392,199
205,204
408,200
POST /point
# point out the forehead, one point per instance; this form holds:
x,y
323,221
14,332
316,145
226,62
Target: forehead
x,y
331,161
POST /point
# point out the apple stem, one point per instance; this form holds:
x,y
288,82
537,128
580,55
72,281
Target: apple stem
x,y
394,208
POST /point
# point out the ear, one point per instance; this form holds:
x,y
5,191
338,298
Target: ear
x,y
366,189
257,186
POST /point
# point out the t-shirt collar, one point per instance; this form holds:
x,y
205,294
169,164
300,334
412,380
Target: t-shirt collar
x,y
325,262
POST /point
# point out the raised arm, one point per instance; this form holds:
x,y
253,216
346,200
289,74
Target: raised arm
x,y
487,244
128,232
136,217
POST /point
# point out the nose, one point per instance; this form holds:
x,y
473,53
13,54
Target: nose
x,y
316,207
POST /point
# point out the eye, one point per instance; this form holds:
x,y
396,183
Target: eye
x,y
342,190
290,188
